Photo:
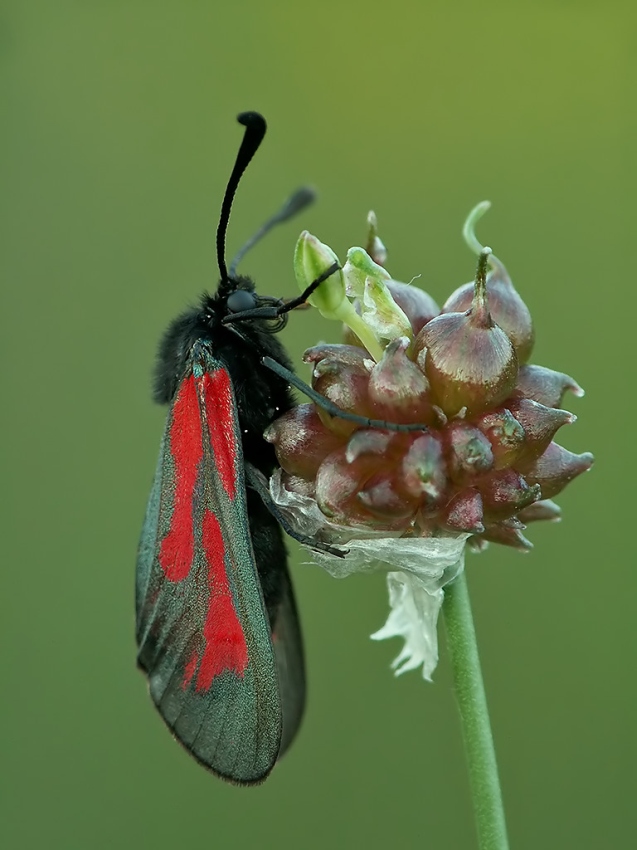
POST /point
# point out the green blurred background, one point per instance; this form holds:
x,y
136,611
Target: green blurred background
x,y
117,138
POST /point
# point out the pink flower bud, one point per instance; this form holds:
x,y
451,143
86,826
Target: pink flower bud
x,y
464,512
544,385
469,361
398,389
505,434
301,441
505,305
423,471
507,535
346,385
540,423
555,468
505,492
468,450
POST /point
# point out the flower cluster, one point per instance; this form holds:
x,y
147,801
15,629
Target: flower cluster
x,y
484,461
477,460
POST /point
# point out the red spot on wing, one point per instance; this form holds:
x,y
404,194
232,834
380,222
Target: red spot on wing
x,y
185,438
216,392
225,645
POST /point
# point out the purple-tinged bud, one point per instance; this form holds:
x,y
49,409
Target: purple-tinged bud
x,y
505,492
347,355
469,361
544,385
382,498
423,470
505,305
464,513
555,468
301,441
418,305
344,384
540,424
545,509
508,535
398,389
505,434
469,452
383,493
338,484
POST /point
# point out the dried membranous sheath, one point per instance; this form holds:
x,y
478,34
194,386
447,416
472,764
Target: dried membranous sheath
x,y
477,461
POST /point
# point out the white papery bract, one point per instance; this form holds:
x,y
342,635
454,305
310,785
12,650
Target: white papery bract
x,y
417,570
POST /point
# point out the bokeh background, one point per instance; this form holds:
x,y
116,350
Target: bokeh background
x,y
117,137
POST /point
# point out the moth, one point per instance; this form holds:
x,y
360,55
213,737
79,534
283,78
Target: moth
x,y
216,620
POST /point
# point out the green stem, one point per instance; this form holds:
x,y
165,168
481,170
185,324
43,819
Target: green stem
x,y
474,717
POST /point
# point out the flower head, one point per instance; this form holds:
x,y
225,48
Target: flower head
x,y
466,452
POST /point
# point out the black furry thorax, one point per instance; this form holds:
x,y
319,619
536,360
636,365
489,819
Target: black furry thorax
x,y
261,395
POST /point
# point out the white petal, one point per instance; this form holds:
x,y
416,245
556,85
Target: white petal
x,y
413,617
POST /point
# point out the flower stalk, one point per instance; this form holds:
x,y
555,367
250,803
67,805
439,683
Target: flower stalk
x,y
474,717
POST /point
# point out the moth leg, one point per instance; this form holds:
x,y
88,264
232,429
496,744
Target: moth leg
x,y
276,308
256,480
301,299
332,408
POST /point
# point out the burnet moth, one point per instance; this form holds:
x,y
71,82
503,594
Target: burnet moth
x,y
217,628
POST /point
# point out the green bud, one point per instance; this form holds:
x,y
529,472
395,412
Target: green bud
x,y
358,268
367,281
311,259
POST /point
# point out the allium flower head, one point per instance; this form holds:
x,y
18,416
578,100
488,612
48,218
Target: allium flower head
x,y
481,462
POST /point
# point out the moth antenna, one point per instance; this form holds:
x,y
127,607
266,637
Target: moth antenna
x,y
255,131
298,201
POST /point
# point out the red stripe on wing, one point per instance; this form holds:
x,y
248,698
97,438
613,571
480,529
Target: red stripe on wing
x,y
218,401
177,548
224,642
226,647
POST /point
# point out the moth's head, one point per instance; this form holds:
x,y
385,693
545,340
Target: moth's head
x,y
234,295
242,298
236,306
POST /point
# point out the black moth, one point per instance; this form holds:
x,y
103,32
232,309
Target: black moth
x,y
217,626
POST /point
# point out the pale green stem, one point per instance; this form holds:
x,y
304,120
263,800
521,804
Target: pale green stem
x,y
348,315
469,230
474,717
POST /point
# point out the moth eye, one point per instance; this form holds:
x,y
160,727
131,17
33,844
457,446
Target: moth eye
x,y
241,300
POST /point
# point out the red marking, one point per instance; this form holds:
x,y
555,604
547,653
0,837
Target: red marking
x,y
216,392
177,548
225,642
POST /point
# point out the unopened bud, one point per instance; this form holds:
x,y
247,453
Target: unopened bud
x,y
555,468
397,387
467,358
